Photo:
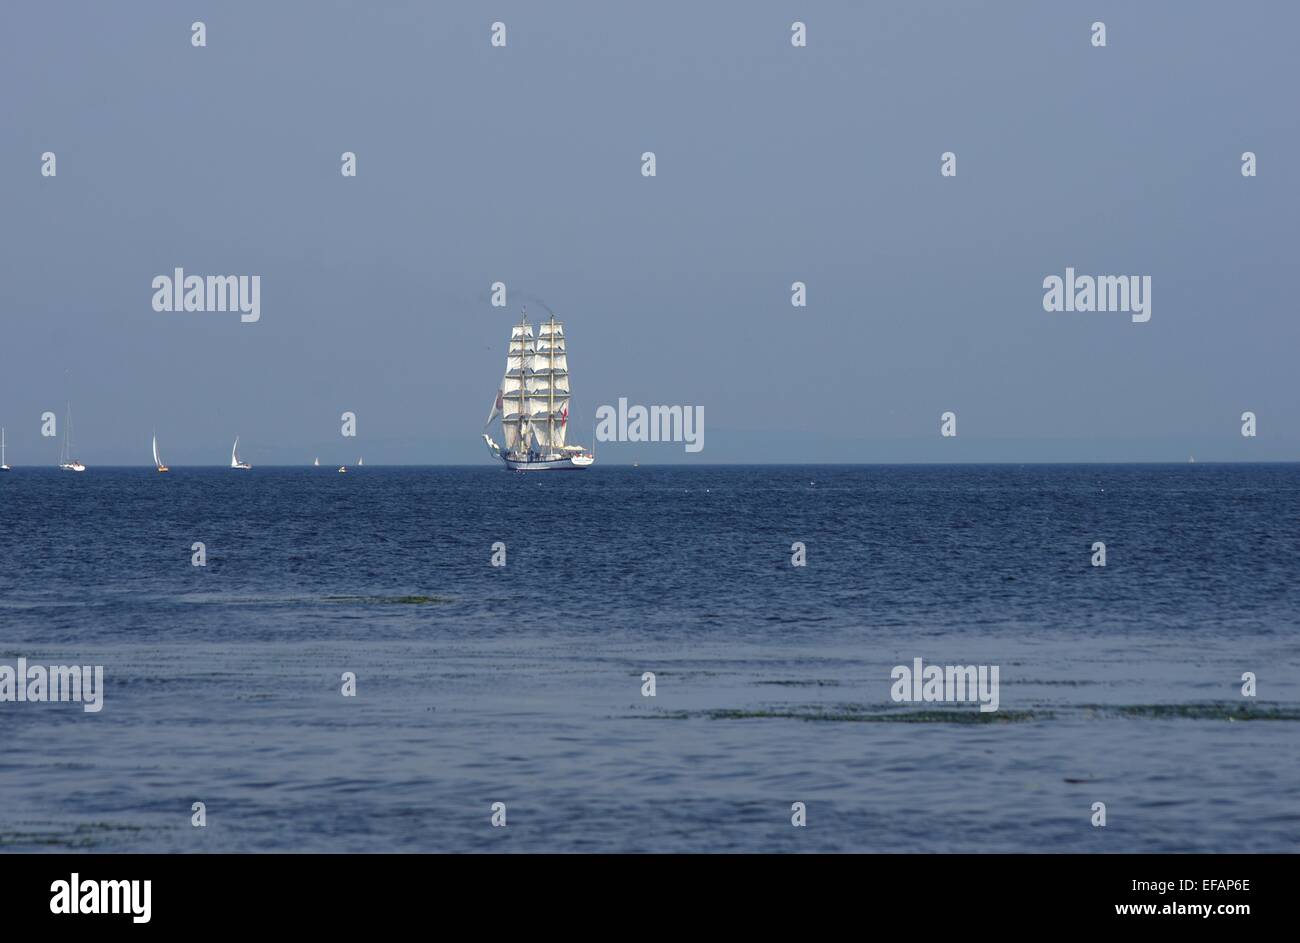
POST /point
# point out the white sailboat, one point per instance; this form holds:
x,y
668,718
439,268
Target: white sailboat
x,y
533,402
158,463
316,463
343,469
234,457
360,462
3,465
66,461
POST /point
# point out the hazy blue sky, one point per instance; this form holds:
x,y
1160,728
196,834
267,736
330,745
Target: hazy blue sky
x,y
775,164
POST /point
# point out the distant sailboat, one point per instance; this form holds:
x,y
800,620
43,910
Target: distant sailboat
x,y
343,469
3,465
66,461
360,462
234,457
156,460
317,462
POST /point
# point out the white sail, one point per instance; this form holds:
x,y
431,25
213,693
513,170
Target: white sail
x,y
66,461
544,384
511,409
551,360
510,434
317,462
511,403
234,454
156,460
550,384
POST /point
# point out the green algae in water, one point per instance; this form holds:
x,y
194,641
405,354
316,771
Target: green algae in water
x,y
862,714
855,714
85,835
1223,710
389,600
974,716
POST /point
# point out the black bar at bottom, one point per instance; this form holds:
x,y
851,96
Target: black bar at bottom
x,y
337,892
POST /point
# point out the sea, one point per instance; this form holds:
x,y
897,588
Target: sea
x,y
507,708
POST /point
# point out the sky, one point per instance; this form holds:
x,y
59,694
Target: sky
x,y
774,164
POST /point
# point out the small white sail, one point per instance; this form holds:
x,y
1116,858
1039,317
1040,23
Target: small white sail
x,y
4,466
157,459
234,456
317,462
66,461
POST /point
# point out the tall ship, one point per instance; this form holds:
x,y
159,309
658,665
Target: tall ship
x,y
533,403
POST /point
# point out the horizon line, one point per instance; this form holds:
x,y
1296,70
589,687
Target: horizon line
x,y
846,464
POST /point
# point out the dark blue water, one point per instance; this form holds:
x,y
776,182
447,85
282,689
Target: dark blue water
x,y
522,684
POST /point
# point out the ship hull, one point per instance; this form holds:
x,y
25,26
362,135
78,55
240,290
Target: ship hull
x,y
563,464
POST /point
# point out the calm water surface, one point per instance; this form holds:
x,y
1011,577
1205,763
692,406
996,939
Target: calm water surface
x,y
522,684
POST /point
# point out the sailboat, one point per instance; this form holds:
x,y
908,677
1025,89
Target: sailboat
x,y
66,461
156,460
234,457
533,402
316,463
360,462
3,465
343,469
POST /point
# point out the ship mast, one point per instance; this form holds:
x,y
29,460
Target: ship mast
x,y
550,386
520,441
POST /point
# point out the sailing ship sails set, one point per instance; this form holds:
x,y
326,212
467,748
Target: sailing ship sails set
x,y
533,402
